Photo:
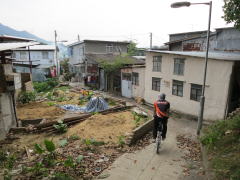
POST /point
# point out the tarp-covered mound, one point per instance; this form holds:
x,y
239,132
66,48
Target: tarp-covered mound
x,y
96,104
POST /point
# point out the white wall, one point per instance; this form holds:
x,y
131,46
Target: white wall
x,y
138,91
216,92
36,55
77,55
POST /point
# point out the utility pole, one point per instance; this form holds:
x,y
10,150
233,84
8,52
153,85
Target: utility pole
x,y
78,37
56,48
150,40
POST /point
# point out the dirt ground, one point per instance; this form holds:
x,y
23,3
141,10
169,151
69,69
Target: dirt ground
x,y
37,110
107,128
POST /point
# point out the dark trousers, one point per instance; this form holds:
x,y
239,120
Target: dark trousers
x,y
155,124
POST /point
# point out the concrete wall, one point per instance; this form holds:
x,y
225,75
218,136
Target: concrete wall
x,y
223,40
100,47
228,40
216,92
175,37
7,118
77,54
138,91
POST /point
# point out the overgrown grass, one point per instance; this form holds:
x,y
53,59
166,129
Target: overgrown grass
x,y
222,140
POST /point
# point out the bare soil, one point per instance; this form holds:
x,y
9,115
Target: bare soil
x,y
37,110
107,128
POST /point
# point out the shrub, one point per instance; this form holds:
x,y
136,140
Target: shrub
x,y
25,97
45,86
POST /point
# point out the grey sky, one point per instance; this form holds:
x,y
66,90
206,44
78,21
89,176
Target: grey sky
x,y
108,19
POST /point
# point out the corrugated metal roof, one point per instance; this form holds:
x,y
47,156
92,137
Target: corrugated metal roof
x,y
10,46
211,55
38,48
97,41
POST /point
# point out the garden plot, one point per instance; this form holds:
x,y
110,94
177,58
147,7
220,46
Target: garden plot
x,y
47,105
84,151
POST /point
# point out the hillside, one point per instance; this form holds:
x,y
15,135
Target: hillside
x,y
5,30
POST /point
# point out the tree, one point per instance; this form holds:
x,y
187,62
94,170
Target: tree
x,y
132,48
231,10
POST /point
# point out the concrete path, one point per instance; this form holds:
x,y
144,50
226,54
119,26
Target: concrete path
x,y
147,165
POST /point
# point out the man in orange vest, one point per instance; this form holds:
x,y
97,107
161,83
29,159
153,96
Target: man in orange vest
x,y
161,110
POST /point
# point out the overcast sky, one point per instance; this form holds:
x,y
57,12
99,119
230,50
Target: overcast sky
x,y
108,19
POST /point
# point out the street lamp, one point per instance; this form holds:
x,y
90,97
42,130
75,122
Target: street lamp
x,y
202,99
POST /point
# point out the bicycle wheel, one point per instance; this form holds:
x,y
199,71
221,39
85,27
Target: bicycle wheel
x,y
158,142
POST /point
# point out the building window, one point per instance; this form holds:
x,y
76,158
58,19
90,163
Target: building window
x,y
45,55
178,66
135,78
156,82
23,55
177,88
196,92
157,61
109,48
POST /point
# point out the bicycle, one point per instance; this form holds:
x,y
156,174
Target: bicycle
x,y
159,136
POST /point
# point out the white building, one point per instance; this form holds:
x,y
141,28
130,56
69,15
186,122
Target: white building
x,y
180,76
40,55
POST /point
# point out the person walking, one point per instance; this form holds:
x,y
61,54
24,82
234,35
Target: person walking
x,y
161,113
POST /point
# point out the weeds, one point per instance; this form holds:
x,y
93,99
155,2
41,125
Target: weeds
x,y
111,102
7,160
74,137
223,142
60,127
61,176
138,118
26,97
51,103
121,141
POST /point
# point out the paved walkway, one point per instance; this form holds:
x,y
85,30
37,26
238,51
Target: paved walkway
x,y
147,165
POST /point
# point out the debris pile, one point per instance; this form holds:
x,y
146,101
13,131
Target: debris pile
x,y
192,154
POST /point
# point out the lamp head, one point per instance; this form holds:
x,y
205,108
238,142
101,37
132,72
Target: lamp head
x,y
180,4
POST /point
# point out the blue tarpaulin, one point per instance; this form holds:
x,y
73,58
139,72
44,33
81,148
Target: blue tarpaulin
x,y
96,104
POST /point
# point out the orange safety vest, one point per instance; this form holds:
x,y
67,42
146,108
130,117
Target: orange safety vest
x,y
158,111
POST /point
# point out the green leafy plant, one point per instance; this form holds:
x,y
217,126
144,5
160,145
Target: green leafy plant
x,y
74,137
26,97
61,176
48,153
90,142
45,86
63,142
38,169
138,118
79,159
121,140
231,10
69,162
111,102
60,127
51,103
222,141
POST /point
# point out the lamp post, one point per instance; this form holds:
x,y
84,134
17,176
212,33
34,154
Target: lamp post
x,y
202,99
